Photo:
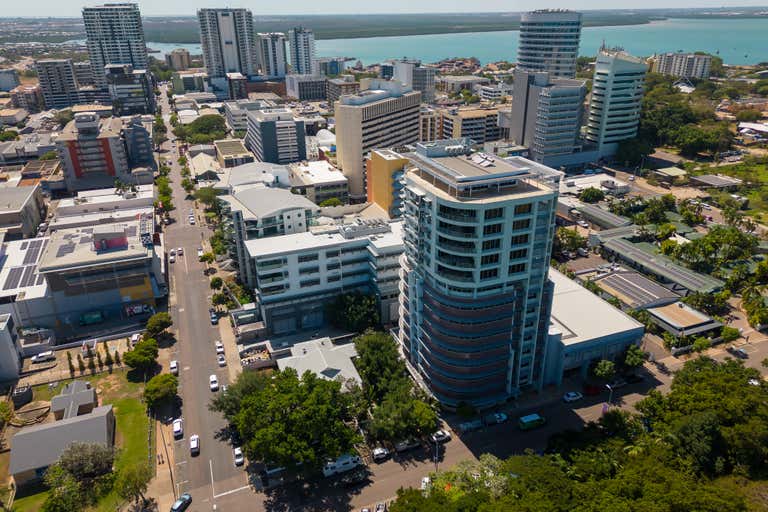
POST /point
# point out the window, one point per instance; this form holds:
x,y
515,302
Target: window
x,y
309,270
494,213
307,257
333,266
520,253
517,268
491,229
491,244
521,224
522,209
331,254
489,274
519,239
310,282
332,279
489,259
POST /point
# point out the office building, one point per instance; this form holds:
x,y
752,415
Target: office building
x,y
454,84
231,153
549,41
616,102
9,79
137,131
236,112
479,124
276,136
178,59
254,212
683,65
338,87
494,92
331,66
131,90
226,36
387,70
272,54
384,169
546,115
384,116
28,97
305,87
12,116
429,124
189,81
114,35
414,75
297,274
319,181
93,152
58,83
22,209
83,73
475,298
237,86
301,44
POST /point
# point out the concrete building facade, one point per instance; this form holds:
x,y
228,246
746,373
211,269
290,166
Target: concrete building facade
x,y
114,35
227,38
338,87
384,170
28,97
684,65
273,58
178,59
384,116
58,83
276,136
306,87
479,124
301,45
9,79
549,41
131,90
475,298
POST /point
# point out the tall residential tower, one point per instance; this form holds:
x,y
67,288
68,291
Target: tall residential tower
x,y
549,41
475,297
272,55
227,38
114,35
301,45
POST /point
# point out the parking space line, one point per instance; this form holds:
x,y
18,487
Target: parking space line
x,y
226,493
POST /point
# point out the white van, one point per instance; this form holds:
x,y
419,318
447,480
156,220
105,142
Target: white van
x,y
42,357
343,464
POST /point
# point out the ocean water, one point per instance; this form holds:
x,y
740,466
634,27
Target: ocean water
x,y
737,41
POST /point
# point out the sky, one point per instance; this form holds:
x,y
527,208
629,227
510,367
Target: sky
x,y
71,8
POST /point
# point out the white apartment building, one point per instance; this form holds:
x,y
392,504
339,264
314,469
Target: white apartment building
x,y
494,92
236,112
114,35
301,44
617,96
475,298
549,41
297,274
684,65
272,55
226,36
384,116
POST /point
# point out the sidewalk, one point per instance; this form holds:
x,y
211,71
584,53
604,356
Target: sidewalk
x,y
227,337
161,487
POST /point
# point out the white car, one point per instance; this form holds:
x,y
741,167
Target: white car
x,y
221,360
174,367
583,223
192,220
172,258
441,436
42,357
496,418
219,347
425,483
572,396
180,251
173,252
200,252
213,382
194,444
239,458
380,454
178,429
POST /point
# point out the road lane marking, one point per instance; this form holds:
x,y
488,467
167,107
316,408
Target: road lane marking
x,y
181,310
181,462
213,490
232,491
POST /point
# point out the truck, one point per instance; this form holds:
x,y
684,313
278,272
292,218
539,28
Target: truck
x,y
91,318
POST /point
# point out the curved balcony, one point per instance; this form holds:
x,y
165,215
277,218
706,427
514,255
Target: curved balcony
x,y
483,341
483,354
459,372
469,387
472,312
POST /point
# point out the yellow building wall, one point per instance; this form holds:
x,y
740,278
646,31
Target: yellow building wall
x,y
139,292
379,171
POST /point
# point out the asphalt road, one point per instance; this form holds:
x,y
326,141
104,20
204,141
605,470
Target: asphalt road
x,y
212,472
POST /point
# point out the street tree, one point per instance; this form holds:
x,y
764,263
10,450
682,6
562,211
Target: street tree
x,y
132,482
143,356
403,414
604,369
634,357
158,323
353,311
207,257
161,389
379,363
216,283
87,461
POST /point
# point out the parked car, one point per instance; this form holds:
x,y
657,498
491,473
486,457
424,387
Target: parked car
x,y
48,355
425,483
583,223
572,396
441,436
221,360
344,463
496,418
194,444
214,318
219,347
180,251
380,507
380,454
192,220
238,455
469,426
173,252
582,252
406,445
181,504
172,258
200,253
178,428
213,382
530,421
738,352
174,367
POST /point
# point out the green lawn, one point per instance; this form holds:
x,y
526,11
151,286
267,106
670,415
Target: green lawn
x,y
130,437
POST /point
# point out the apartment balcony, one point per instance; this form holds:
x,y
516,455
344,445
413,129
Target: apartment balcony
x,y
457,232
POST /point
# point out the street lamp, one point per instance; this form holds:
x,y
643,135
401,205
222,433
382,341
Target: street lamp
x,y
610,394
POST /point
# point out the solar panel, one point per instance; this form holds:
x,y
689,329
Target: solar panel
x,y
24,245
85,240
28,279
64,250
40,280
33,252
14,276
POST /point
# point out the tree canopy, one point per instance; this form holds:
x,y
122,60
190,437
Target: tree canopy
x,y
143,356
592,195
158,323
353,311
160,389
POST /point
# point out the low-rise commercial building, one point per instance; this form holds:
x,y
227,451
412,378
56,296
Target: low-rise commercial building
x,y
108,205
319,181
22,209
232,152
190,81
276,135
28,97
256,212
306,87
28,147
296,274
494,92
12,116
479,124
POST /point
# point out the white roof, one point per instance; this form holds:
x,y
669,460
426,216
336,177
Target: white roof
x,y
258,202
320,172
323,358
575,184
571,301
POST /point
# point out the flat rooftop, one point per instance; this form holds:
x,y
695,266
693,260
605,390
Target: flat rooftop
x,y
716,180
320,172
231,147
71,249
19,274
569,303
13,199
635,290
